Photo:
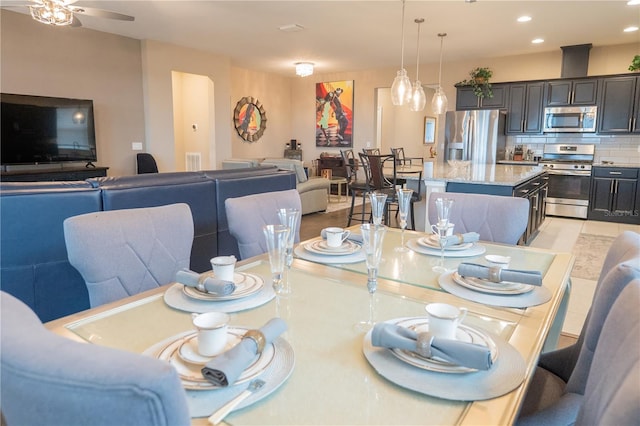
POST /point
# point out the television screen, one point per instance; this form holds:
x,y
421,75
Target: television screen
x,y
38,129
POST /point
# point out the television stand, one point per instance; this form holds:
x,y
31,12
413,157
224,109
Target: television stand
x,y
71,173
90,165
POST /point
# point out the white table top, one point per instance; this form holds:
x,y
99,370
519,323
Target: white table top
x,y
332,382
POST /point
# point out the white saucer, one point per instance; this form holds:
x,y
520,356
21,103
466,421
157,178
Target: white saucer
x,y
494,258
321,247
188,350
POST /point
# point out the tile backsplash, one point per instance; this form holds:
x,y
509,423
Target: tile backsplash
x,y
622,149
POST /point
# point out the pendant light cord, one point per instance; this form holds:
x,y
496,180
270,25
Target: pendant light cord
x,y
402,42
418,21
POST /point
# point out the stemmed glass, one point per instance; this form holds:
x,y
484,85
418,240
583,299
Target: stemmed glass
x,y
443,206
378,202
372,239
404,200
289,218
277,240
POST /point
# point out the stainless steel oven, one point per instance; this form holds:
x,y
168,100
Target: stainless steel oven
x,y
569,171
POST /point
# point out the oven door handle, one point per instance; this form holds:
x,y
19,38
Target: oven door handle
x,y
568,173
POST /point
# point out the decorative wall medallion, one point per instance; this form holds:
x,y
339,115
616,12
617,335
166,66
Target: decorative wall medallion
x,y
250,119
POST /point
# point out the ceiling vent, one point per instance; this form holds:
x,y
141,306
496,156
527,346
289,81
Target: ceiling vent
x,y
575,60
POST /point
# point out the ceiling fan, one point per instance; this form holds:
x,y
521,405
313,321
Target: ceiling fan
x,y
63,12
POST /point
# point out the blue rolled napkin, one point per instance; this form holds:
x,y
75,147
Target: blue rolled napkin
x,y
356,238
469,355
467,237
205,283
224,369
497,274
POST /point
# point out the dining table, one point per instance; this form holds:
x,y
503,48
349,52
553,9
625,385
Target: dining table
x,y
328,372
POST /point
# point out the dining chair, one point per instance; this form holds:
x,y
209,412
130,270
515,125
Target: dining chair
x,y
611,395
566,369
50,379
496,218
403,160
145,163
247,215
356,188
371,151
124,252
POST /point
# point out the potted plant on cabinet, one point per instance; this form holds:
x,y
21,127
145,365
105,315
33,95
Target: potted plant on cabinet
x,y
635,64
479,81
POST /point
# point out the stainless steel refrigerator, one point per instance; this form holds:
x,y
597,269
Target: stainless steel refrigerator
x,y
478,136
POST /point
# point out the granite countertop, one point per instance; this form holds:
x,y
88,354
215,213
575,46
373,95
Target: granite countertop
x,y
487,174
518,162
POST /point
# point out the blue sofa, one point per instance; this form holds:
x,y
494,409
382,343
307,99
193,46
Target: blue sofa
x,y
33,256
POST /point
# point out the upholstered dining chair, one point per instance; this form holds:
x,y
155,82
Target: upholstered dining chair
x,y
565,371
145,163
124,252
247,215
50,379
356,188
496,218
611,395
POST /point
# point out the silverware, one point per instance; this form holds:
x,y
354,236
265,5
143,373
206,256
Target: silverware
x,y
222,412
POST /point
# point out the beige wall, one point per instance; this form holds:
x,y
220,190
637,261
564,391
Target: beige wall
x,y
77,63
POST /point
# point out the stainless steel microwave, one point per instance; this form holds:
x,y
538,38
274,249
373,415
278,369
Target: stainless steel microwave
x,y
570,119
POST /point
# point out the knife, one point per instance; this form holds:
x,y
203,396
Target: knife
x,y
222,412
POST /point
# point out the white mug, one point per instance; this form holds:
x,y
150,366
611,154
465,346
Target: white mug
x,y
336,236
212,332
223,267
444,319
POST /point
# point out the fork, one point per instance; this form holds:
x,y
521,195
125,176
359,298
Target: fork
x,y
222,412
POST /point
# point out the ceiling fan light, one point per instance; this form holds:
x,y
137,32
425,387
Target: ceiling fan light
x,y
51,13
401,88
304,69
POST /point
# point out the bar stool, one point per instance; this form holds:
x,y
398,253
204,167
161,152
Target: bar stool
x,y
354,187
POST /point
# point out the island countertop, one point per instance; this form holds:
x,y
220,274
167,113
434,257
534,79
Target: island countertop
x,y
484,174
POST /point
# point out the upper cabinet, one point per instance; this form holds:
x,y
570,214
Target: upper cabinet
x,y
525,108
572,92
619,106
466,99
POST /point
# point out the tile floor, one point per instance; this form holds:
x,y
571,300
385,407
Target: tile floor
x,y
560,234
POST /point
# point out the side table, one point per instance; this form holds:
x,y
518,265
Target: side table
x,y
339,181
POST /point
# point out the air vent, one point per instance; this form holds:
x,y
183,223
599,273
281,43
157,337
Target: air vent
x,y
193,161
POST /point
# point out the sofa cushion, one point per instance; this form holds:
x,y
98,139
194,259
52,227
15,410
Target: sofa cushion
x,y
288,164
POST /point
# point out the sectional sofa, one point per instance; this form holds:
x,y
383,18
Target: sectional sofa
x,y
33,262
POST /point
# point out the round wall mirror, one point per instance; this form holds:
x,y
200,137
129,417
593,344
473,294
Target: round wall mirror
x,y
250,119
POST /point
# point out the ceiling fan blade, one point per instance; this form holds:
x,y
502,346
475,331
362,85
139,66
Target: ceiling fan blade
x,y
76,22
100,13
25,3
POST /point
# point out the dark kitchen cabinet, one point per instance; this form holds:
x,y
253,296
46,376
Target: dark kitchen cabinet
x,y
466,99
572,92
614,195
524,108
619,105
535,190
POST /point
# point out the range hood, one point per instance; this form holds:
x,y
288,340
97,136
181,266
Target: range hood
x,y
575,60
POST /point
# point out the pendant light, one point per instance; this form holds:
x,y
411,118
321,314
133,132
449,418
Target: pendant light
x,y
418,98
401,87
439,102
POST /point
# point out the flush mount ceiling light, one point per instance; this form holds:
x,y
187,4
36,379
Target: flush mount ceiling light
x,y
537,40
630,29
439,103
418,98
401,87
51,12
304,69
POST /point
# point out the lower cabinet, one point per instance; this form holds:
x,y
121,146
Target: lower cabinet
x,y
614,195
535,190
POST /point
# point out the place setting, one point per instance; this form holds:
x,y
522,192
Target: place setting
x,y
223,289
495,284
218,363
335,245
439,355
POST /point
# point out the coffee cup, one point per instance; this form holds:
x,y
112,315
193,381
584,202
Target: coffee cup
x,y
223,267
212,332
336,236
444,319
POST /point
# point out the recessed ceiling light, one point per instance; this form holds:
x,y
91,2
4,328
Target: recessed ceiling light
x,y
291,28
633,2
630,29
524,18
537,40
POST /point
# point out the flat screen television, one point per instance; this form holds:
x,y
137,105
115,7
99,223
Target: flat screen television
x,y
45,130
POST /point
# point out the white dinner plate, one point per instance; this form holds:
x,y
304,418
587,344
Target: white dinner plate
x,y
246,285
485,286
474,250
464,333
191,374
433,242
321,247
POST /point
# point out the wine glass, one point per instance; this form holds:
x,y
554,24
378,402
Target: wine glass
x,y
372,239
277,240
404,200
443,206
378,202
289,218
